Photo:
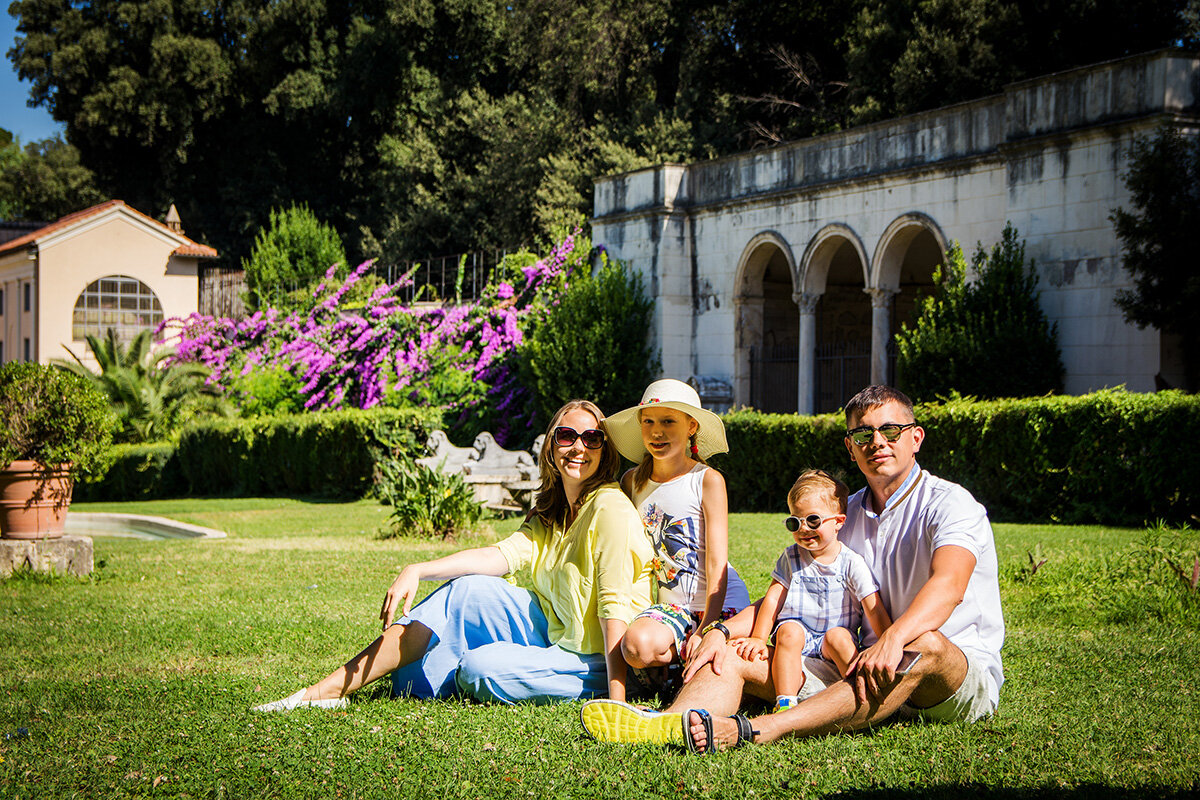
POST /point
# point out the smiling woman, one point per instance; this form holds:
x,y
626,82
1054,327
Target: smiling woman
x,y
481,636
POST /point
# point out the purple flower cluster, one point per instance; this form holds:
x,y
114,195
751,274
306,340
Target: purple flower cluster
x,y
355,357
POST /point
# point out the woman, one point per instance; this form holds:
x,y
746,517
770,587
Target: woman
x,y
481,636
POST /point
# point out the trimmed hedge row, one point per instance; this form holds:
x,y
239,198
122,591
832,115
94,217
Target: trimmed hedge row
x,y
1111,457
329,454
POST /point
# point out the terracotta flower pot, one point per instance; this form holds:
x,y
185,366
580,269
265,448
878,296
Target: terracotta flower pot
x,y
33,500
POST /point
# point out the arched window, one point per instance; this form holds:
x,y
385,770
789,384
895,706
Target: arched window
x,y
115,301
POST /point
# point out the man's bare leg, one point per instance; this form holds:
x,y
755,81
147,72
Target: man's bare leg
x,y
935,677
398,646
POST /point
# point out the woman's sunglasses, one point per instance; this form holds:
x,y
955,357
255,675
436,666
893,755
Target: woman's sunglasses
x,y
812,522
565,437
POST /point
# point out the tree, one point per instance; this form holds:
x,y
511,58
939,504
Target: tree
x,y
152,395
594,342
289,257
988,338
44,181
1160,239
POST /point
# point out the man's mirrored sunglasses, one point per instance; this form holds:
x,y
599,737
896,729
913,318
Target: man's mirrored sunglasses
x,y
865,434
565,437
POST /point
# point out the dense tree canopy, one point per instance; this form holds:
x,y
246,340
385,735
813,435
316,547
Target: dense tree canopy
x,y
424,126
1160,238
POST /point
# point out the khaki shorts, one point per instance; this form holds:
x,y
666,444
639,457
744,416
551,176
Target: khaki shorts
x,y
971,702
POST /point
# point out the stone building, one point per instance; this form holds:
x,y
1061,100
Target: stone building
x,y
786,271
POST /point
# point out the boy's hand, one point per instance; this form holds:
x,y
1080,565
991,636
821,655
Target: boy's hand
x,y
750,648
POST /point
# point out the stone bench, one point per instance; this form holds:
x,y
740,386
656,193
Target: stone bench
x,y
503,480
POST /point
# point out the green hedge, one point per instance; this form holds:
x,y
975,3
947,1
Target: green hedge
x,y
137,472
1111,457
328,454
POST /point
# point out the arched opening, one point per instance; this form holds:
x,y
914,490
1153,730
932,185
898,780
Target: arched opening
x,y
843,335
115,301
767,335
909,252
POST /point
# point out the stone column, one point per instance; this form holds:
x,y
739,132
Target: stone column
x,y
881,331
805,396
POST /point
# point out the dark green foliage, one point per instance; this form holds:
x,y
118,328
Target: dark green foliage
x,y
426,127
425,502
1108,457
53,417
767,452
136,472
290,255
331,454
1160,240
593,343
44,181
988,338
152,395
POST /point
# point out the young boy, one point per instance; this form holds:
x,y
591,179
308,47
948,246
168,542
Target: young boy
x,y
819,591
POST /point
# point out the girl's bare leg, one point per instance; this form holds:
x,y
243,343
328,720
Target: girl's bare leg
x,y
648,643
398,646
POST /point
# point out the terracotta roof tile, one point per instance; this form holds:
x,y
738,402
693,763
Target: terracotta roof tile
x,y
189,249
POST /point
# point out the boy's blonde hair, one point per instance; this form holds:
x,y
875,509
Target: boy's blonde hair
x,y
820,483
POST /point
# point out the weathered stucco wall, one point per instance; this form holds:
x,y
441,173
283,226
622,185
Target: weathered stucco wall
x,y
1047,155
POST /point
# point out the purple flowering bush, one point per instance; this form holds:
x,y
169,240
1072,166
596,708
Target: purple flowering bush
x,y
383,351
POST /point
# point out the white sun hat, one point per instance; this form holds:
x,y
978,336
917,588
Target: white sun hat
x,y
625,427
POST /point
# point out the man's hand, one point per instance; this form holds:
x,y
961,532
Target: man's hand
x,y
875,668
711,650
400,594
750,648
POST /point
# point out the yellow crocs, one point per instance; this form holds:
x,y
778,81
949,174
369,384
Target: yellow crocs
x,y
613,721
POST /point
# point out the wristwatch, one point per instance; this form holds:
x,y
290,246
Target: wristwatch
x,y
716,626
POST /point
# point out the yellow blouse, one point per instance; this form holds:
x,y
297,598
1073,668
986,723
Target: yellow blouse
x,y
598,568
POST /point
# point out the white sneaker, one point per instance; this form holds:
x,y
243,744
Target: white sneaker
x,y
297,701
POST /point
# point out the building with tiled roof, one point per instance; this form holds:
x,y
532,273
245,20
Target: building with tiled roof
x,y
108,266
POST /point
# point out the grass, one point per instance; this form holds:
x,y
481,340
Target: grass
x,y
138,681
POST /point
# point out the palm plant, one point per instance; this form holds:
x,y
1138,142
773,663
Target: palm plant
x,y
153,396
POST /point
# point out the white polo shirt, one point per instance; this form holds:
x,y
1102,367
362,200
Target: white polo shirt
x,y
925,514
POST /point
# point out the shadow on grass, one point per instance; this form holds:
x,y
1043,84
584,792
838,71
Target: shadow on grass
x,y
1085,791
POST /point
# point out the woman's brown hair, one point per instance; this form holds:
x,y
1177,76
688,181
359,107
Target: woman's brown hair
x,y
550,503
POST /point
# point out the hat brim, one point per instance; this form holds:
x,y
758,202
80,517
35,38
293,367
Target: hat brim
x,y
625,430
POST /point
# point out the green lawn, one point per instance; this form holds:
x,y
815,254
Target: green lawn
x,y
139,681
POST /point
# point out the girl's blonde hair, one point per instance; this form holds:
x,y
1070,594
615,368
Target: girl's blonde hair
x,y
644,469
820,484
550,504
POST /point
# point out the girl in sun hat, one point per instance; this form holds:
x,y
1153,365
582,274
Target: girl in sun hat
x,y
684,506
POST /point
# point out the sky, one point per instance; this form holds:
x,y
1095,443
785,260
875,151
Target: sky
x,y
27,124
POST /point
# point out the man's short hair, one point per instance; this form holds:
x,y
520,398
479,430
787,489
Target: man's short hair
x,y
874,397
820,483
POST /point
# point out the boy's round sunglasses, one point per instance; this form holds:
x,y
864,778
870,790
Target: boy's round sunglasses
x,y
865,434
812,522
565,437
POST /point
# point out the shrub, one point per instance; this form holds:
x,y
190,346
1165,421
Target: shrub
x,y
136,472
594,343
52,417
1108,457
152,394
425,502
289,255
329,453
987,338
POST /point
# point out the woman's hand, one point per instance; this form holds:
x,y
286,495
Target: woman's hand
x,y
690,646
400,594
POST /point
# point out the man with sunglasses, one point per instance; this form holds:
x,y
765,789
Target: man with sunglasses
x,y
929,545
